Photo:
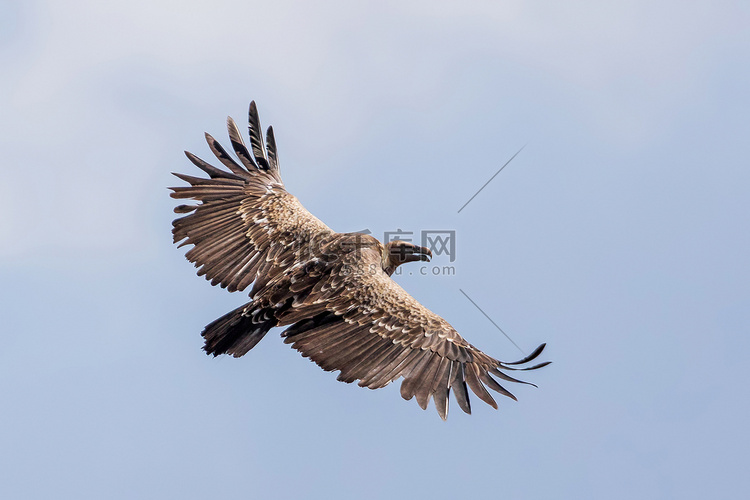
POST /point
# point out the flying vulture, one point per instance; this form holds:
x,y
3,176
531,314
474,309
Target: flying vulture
x,y
333,291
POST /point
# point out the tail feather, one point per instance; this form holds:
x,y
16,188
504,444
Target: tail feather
x,y
238,331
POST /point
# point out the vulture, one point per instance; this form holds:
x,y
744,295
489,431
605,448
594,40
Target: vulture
x,y
332,291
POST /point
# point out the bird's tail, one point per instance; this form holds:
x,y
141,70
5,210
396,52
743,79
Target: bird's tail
x,y
238,331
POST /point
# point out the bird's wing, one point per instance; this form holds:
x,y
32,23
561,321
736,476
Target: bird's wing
x,y
245,224
373,331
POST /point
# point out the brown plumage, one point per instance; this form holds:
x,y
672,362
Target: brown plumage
x,y
332,290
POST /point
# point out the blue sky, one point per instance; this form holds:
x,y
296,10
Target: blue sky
x,y
619,236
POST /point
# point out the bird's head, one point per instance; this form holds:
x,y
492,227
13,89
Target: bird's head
x,y
399,252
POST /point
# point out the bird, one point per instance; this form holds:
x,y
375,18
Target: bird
x,y
332,292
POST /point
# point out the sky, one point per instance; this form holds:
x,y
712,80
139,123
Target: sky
x,y
618,236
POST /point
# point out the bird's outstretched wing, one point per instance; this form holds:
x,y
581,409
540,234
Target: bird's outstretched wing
x,y
371,330
245,225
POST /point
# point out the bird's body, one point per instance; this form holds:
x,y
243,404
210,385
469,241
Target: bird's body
x,y
332,290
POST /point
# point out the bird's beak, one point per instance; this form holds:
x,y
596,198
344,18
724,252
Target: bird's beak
x,y
419,253
402,252
425,253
